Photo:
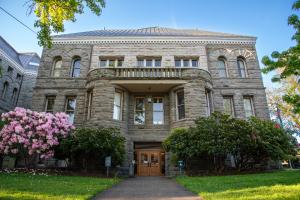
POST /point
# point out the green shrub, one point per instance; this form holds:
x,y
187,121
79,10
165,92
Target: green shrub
x,y
250,142
89,146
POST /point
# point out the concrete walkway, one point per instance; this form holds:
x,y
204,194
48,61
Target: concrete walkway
x,y
147,188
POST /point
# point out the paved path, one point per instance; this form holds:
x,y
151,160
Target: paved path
x,y
147,188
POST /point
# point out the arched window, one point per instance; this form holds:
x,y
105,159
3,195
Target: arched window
x,y
242,67
14,96
222,67
57,67
75,72
4,90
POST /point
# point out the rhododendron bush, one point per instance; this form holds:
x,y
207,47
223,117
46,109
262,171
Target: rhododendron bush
x,y
29,133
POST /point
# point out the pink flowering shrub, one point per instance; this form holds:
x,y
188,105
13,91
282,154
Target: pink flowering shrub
x,y
28,132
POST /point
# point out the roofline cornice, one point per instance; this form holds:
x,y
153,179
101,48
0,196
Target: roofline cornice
x,y
17,65
155,40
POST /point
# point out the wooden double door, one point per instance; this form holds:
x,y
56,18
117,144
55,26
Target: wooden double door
x,y
149,162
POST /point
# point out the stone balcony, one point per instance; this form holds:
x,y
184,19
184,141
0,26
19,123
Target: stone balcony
x,y
148,73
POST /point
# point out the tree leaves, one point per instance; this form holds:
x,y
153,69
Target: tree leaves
x,y
52,15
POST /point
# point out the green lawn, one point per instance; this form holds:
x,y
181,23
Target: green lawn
x,y
42,187
267,186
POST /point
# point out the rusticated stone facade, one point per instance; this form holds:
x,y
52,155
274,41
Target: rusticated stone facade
x,y
148,82
19,72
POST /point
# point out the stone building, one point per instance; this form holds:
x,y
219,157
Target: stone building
x,y
19,72
148,81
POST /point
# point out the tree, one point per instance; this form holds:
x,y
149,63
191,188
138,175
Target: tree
x,y
287,63
282,111
88,147
251,142
52,14
27,133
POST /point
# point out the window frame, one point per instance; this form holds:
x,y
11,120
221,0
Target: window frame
x,y
107,61
4,90
177,105
75,59
209,102
119,106
90,95
66,107
56,69
135,110
14,96
145,60
243,60
182,60
250,98
222,59
231,101
158,111
47,102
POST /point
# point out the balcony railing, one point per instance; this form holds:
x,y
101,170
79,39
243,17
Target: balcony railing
x,y
148,72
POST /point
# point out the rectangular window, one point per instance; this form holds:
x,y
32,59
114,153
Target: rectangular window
x,y
49,107
248,107
10,70
117,106
148,62
89,104
180,105
18,77
158,110
139,113
111,62
186,62
209,106
228,105
70,108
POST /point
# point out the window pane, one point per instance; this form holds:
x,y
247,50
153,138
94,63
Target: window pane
x,y
117,106
140,63
157,63
71,104
71,116
194,63
139,104
248,107
242,69
57,68
120,63
102,63
148,63
177,63
117,112
158,117
228,105
111,63
76,68
221,68
186,63
139,117
208,102
50,104
180,105
158,114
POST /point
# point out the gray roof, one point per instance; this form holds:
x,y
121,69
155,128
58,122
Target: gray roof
x,y
22,59
150,31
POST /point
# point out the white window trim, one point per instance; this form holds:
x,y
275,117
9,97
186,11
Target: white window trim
x,y
177,110
121,106
251,104
244,62
152,62
163,111
190,63
116,62
231,104
144,110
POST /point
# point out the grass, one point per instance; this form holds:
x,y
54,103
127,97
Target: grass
x,y
17,186
266,186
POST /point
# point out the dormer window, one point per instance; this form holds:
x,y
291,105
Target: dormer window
x,y
186,62
148,62
111,62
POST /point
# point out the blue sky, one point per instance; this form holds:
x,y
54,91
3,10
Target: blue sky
x,y
265,19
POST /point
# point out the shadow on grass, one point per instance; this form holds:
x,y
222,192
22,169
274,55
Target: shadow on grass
x,y
266,186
